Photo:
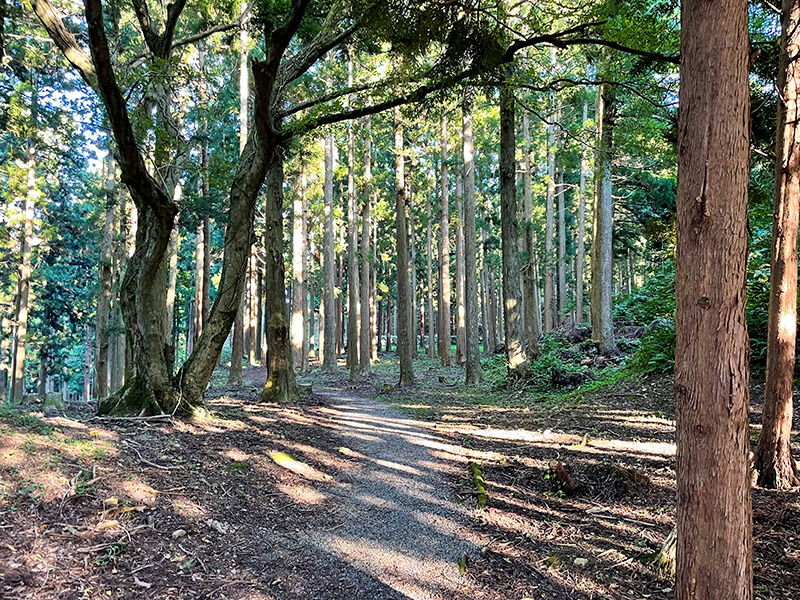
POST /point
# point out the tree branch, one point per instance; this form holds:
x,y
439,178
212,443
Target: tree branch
x,y
326,98
65,41
204,34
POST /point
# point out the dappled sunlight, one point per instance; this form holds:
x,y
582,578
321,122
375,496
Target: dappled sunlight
x,y
139,491
188,508
299,468
236,455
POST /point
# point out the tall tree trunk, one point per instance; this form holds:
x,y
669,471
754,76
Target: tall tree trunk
x,y
367,312
5,350
562,251
87,365
445,317
373,286
405,318
259,305
714,515
412,253
773,458
474,373
311,338
199,272
172,276
461,308
485,308
353,285
22,299
281,385
329,337
299,299
516,346
253,305
602,240
549,308
429,253
529,280
580,258
104,275
340,305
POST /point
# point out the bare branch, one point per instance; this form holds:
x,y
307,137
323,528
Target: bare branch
x,y
326,98
204,34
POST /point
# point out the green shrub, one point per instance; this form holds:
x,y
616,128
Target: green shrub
x,y
656,353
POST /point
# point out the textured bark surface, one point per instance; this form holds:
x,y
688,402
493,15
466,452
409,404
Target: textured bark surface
x,y
580,252
328,343
714,546
773,458
562,251
529,280
281,385
474,373
602,236
516,347
405,318
461,309
353,284
429,255
299,332
104,293
365,348
445,352
549,261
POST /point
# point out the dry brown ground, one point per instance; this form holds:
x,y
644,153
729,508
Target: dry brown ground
x,y
214,509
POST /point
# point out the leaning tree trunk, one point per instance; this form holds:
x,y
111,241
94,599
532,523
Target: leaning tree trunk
x,y
602,236
474,375
445,353
281,385
714,547
516,350
773,458
405,318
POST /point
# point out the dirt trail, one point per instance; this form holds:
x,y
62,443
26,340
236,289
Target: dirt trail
x,y
398,521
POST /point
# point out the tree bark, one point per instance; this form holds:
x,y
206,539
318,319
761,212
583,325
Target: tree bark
x,y
529,279
172,276
405,318
602,237
104,275
353,285
516,346
299,293
429,254
714,547
22,298
281,385
562,251
367,312
199,272
445,317
329,337
580,258
461,309
773,458
474,374
87,365
549,307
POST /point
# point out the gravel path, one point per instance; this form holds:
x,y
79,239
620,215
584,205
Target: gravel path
x,y
399,525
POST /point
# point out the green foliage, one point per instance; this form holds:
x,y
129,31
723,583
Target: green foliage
x,y
656,353
654,300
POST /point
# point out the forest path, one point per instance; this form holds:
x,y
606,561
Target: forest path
x,y
398,519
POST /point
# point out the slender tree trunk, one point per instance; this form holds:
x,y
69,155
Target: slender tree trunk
x,y
516,346
549,308
311,339
373,288
773,458
299,299
580,258
172,277
367,312
329,355
445,317
474,374
529,279
461,308
340,305
260,325
87,365
5,350
429,254
252,306
104,275
22,299
405,318
562,251
493,320
486,311
714,516
602,242
42,379
281,385
412,252
353,285
199,272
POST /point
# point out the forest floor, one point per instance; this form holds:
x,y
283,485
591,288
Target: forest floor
x,y
361,491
